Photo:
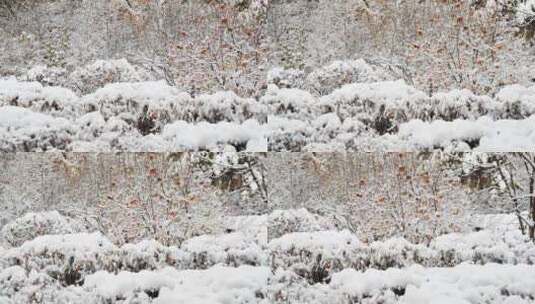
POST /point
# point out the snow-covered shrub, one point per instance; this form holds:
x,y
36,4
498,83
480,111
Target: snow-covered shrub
x,y
380,106
281,222
314,255
233,249
455,104
288,287
146,105
287,134
394,252
223,106
290,103
326,79
93,126
516,102
478,247
184,136
88,78
218,285
251,226
150,255
54,101
483,134
490,283
21,286
47,76
32,225
24,130
286,78
65,257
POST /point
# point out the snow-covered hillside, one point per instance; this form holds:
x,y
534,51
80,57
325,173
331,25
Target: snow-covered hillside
x,y
316,113
244,265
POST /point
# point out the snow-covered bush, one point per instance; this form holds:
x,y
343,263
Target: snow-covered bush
x,y
394,252
314,255
286,78
483,134
146,105
251,226
65,257
184,136
455,104
150,255
326,79
232,249
491,283
24,130
281,222
223,106
290,103
54,101
47,76
21,286
32,225
479,247
88,78
287,134
516,101
380,105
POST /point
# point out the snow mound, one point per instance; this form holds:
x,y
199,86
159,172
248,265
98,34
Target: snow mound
x,y
219,284
24,130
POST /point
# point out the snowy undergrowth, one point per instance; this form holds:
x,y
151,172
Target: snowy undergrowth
x,y
308,261
347,106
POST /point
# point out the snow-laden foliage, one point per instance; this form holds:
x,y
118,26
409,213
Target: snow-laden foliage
x,y
51,100
231,249
326,79
219,284
492,283
24,130
281,222
325,266
32,225
366,113
95,75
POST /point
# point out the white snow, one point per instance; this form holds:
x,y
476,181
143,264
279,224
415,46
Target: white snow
x,y
205,136
218,284
464,283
